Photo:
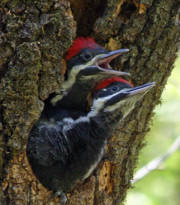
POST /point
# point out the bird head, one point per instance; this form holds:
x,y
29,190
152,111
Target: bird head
x,y
114,98
86,58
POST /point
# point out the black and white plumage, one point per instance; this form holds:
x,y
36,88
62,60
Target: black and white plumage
x,y
63,151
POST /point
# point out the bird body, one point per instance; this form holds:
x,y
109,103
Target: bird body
x,y
64,150
65,153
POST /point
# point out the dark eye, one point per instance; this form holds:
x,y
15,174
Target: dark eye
x,y
86,56
115,88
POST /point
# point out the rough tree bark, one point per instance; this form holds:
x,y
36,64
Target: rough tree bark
x,y
34,35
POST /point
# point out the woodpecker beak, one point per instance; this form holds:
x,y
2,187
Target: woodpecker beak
x,y
104,60
127,93
101,63
140,89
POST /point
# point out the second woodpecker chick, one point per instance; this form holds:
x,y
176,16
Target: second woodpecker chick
x,y
65,152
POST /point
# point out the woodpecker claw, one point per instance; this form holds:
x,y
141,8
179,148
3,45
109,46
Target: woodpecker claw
x,y
63,199
61,195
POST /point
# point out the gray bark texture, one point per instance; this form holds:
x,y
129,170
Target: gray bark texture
x,y
34,36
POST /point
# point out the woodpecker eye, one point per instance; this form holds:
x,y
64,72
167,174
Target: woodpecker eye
x,y
86,56
115,88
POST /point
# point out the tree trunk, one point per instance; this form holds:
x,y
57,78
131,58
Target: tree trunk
x,y
34,35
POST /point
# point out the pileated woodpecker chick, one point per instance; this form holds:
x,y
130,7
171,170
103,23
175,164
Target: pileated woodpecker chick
x,y
87,64
65,152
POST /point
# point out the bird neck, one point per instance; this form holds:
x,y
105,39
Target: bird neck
x,y
92,128
109,121
76,97
58,112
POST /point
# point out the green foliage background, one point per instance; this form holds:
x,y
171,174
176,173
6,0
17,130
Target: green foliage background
x,y
162,186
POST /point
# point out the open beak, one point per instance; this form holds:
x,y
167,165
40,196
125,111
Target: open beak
x,y
101,63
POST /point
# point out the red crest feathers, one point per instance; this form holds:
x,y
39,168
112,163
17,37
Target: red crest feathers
x,y
80,43
106,82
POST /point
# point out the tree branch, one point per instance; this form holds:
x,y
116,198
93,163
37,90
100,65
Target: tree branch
x,y
155,163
